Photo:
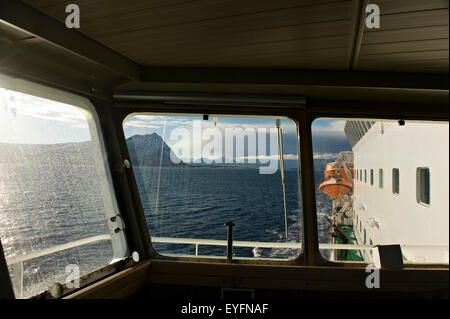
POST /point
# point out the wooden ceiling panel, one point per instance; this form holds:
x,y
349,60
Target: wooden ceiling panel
x,y
408,34
224,15
255,49
407,20
320,59
413,37
93,9
105,17
399,6
218,31
211,39
306,34
404,47
206,34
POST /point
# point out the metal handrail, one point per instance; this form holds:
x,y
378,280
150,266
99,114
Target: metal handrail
x,y
16,262
12,261
196,241
55,249
215,242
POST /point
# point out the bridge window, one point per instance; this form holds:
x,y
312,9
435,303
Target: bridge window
x,y
395,147
195,173
423,185
56,198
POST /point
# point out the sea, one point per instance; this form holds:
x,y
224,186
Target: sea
x,y
51,204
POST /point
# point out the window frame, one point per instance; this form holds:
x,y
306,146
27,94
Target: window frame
x,y
299,259
304,116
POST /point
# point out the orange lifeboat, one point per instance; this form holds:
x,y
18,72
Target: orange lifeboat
x,y
330,171
335,188
337,183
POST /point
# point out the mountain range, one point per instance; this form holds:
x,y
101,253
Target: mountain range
x,y
151,150
145,150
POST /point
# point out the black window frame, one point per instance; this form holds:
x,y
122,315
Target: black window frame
x,y
304,116
123,114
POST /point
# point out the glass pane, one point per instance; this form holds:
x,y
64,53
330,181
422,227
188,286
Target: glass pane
x,y
366,215
396,181
194,174
53,191
423,181
380,174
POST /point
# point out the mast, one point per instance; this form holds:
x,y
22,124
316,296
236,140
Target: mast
x,y
283,182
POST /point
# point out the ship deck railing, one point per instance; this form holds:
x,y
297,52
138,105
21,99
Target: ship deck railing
x,y
16,262
250,244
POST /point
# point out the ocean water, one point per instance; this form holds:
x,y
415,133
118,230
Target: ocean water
x,y
46,205
196,203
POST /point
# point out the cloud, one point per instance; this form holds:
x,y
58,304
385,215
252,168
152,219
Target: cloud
x,y
327,156
328,127
156,121
28,105
140,124
269,157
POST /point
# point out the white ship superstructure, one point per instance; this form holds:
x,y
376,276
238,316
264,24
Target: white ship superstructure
x,y
401,187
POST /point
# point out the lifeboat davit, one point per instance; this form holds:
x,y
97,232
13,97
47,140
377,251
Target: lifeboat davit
x,y
335,188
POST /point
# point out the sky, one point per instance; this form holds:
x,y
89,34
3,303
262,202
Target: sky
x,y
27,119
